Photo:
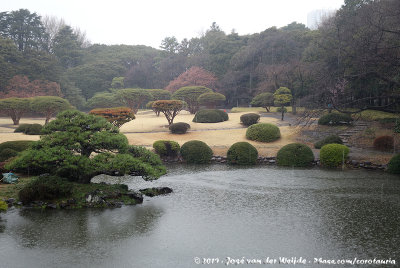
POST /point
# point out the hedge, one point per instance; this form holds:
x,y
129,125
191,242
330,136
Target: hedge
x,y
249,119
242,153
263,132
332,155
394,164
210,116
166,148
295,155
196,152
179,128
334,119
328,140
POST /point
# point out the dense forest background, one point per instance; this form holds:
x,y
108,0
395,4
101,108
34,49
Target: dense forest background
x,y
351,60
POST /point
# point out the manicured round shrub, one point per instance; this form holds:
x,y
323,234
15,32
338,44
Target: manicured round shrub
x,y
332,155
21,128
335,119
328,140
29,129
179,128
196,152
249,119
264,132
242,153
166,148
394,164
3,206
210,116
7,154
384,143
45,188
295,155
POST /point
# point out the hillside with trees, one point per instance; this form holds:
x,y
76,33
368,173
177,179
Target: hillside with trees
x,y
351,60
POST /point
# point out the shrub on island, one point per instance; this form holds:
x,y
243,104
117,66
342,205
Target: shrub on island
x,y
45,188
196,152
210,116
328,140
179,128
249,119
384,143
295,155
242,153
333,155
394,164
263,132
335,119
166,148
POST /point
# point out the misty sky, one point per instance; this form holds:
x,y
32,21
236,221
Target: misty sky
x,y
147,22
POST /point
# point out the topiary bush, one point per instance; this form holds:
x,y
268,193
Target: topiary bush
x,y
384,143
21,128
264,132
335,119
29,129
179,128
249,119
328,140
210,116
332,155
196,152
45,188
295,155
394,164
166,148
242,153
7,154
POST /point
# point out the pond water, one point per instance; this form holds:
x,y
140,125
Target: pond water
x,y
218,212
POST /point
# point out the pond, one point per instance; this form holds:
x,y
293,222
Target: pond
x,y
223,215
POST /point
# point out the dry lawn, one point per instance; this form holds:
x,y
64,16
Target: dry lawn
x,y
148,128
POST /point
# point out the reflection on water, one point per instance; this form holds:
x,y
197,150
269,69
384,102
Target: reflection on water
x,y
222,212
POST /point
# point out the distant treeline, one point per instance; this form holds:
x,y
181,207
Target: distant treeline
x,y
351,60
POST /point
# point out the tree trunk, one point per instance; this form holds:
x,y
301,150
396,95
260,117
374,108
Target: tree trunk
x,y
283,112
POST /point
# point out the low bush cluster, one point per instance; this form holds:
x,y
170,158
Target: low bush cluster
x,y
242,153
210,116
249,119
333,155
10,149
45,188
394,164
328,140
196,152
335,119
166,148
263,132
384,143
29,129
179,128
295,155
